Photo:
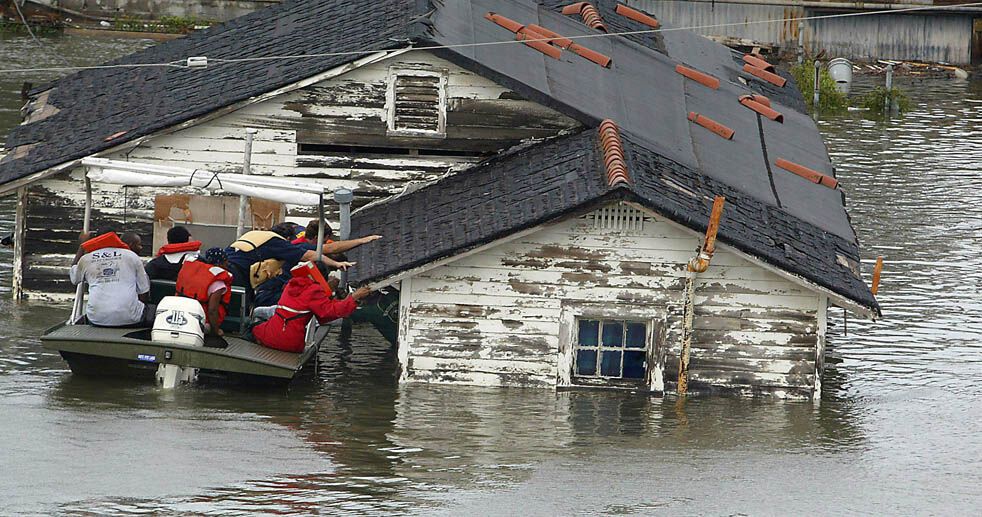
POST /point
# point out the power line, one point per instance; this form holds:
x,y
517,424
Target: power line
x,y
182,63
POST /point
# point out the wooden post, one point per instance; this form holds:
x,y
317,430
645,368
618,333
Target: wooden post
x,y
246,169
876,275
20,232
697,265
817,89
320,227
887,101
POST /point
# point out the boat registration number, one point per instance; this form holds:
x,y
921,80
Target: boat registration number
x,y
147,357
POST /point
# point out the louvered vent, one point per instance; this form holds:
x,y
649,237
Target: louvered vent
x,y
417,103
619,218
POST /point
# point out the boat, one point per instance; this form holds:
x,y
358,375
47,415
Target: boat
x,y
181,353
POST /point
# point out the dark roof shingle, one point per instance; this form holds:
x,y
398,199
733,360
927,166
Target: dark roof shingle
x,y
564,176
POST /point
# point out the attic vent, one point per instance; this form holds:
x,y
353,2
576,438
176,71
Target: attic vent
x,y
416,102
618,218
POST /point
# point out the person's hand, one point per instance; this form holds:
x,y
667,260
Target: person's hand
x,y
370,238
360,293
345,265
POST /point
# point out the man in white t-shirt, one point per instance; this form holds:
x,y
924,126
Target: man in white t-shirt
x,y
118,284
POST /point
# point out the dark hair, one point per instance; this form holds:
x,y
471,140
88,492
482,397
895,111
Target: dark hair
x,y
310,232
285,230
178,235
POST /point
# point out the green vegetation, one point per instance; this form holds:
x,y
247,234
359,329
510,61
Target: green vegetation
x,y
830,98
167,24
16,27
876,100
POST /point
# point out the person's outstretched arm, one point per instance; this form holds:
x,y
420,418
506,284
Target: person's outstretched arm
x,y
343,246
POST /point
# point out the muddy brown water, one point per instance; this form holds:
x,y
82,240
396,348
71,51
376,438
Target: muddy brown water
x,y
898,429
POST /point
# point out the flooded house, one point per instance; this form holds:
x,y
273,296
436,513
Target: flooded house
x,y
545,186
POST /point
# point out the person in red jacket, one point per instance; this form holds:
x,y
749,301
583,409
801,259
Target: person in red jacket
x,y
302,299
208,281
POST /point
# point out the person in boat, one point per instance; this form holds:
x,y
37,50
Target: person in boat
x,y
118,284
170,257
270,290
306,295
207,280
308,239
259,255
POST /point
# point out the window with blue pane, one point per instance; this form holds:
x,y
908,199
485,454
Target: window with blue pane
x,y
610,349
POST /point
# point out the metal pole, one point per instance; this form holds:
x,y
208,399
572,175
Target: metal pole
x,y
887,100
246,170
86,228
344,197
818,80
320,227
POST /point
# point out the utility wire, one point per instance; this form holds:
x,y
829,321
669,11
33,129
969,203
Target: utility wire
x,y
35,38
182,63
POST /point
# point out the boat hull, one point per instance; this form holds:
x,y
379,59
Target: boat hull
x,y
123,352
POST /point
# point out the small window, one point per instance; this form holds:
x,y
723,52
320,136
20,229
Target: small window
x,y
416,103
610,350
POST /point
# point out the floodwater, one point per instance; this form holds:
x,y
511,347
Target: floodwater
x,y
898,429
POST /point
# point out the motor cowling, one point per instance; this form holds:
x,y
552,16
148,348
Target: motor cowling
x,y
180,321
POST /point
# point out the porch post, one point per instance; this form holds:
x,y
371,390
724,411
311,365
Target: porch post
x,y
246,170
20,232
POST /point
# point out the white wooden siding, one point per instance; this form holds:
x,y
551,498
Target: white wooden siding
x,y
495,317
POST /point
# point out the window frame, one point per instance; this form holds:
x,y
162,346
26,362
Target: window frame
x,y
655,320
600,378
390,102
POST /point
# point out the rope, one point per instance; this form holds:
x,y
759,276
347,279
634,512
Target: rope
x,y
182,63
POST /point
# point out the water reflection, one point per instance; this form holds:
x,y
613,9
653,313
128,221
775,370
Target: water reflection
x,y
899,425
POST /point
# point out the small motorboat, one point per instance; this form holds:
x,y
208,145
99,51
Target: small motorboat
x,y
176,350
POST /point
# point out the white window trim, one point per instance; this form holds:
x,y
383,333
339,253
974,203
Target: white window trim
x,y
654,318
390,102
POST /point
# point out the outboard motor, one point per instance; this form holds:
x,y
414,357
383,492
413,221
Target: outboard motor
x,y
179,321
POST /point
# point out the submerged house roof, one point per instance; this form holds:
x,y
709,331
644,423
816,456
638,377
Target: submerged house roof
x,y
689,131
566,176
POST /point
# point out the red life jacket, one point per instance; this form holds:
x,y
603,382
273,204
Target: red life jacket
x,y
106,240
302,299
195,278
179,247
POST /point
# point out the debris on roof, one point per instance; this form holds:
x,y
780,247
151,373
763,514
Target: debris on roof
x,y
637,16
586,10
765,110
809,174
762,74
699,77
711,125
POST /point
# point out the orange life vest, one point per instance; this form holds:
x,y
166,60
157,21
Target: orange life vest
x,y
106,240
195,278
179,247
308,269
